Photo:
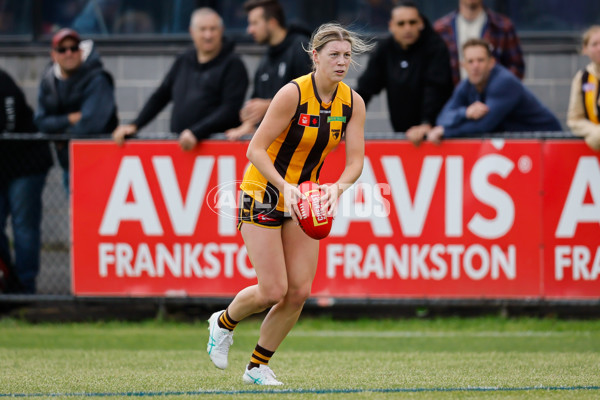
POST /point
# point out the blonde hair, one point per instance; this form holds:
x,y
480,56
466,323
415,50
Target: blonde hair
x,y
333,31
587,35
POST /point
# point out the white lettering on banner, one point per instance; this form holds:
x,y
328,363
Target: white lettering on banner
x,y
183,214
413,213
373,208
578,259
226,173
421,262
130,177
488,194
210,260
454,196
575,211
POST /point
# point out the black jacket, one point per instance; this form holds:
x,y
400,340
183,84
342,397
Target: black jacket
x,y
19,157
418,81
281,64
89,90
207,97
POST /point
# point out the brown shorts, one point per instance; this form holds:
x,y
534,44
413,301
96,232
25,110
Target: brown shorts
x,y
257,213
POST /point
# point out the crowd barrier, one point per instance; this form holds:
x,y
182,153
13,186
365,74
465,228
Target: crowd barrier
x,y
513,218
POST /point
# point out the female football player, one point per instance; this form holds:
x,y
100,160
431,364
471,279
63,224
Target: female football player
x,y
307,118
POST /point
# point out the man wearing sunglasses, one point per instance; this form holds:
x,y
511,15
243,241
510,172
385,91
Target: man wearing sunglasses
x,y
413,65
76,94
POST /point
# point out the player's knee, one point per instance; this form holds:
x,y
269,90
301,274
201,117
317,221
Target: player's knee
x,y
298,296
273,295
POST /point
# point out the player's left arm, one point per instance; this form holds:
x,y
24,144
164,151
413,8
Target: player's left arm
x,y
355,155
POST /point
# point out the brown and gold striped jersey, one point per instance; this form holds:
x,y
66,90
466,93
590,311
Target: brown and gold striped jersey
x,y
299,151
591,96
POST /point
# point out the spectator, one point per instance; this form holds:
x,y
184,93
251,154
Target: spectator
x,y
284,60
134,21
98,17
413,65
24,165
207,85
76,94
473,20
491,99
584,103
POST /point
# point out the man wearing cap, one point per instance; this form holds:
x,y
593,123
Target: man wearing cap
x,y
76,94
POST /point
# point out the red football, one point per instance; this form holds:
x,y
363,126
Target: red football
x,y
313,221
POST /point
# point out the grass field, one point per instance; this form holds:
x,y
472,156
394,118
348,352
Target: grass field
x,y
446,358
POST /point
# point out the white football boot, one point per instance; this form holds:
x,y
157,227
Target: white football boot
x,y
219,341
261,375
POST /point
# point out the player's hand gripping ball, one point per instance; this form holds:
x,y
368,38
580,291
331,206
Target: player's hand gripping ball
x,y
313,220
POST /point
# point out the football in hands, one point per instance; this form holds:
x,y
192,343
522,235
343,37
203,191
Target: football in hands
x,y
313,221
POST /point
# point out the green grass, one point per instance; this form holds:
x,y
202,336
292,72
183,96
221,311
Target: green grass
x,y
320,354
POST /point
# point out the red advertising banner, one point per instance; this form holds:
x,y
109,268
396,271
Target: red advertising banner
x,y
571,220
142,224
460,220
437,221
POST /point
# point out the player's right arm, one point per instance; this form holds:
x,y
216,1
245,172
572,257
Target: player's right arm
x,y
278,117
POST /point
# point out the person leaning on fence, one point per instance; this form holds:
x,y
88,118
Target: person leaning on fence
x,y
583,117
284,60
491,99
76,94
473,20
306,120
412,65
24,165
207,85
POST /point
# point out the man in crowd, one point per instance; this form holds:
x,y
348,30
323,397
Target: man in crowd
x,y
24,165
207,85
76,94
491,99
412,65
284,60
473,20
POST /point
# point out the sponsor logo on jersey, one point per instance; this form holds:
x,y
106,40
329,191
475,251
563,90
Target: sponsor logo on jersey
x,y
589,87
312,121
341,119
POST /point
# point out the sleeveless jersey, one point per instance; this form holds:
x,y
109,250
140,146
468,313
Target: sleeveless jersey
x,y
299,151
590,93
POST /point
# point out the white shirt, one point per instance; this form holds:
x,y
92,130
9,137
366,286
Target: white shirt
x,y
466,30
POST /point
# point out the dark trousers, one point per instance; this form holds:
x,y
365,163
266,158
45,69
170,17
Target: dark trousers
x,y
21,198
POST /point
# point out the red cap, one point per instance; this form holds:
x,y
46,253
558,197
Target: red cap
x,y
62,35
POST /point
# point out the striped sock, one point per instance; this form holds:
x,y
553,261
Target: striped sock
x,y
260,355
226,322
